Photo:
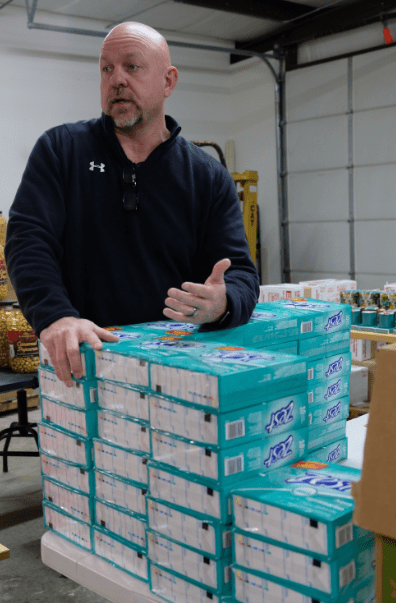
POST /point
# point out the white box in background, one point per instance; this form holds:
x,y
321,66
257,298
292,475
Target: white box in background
x,y
361,349
358,385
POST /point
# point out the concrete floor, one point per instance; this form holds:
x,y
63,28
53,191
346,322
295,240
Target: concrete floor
x,y
23,577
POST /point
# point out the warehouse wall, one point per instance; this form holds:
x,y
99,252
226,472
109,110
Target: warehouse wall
x,y
342,164
49,78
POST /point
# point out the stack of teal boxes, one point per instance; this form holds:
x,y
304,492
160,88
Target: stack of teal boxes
x,y
120,455
324,341
69,423
294,541
216,417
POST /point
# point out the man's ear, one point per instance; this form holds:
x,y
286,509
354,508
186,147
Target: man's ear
x,y
171,78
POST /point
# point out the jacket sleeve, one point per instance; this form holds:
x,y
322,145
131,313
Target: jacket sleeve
x,y
225,238
34,238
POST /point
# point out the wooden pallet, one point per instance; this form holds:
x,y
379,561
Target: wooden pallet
x,y
4,552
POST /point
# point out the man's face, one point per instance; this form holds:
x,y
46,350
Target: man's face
x,y
133,79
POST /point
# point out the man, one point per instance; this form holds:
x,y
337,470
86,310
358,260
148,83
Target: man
x,y
117,216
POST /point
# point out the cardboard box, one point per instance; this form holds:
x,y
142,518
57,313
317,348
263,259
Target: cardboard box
x,y
375,493
371,366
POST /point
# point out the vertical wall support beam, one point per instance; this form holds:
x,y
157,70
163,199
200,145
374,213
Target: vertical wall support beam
x,y
351,197
280,101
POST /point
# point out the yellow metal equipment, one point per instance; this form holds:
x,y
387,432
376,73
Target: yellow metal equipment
x,y
246,184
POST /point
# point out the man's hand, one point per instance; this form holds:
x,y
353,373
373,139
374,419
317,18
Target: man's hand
x,y
62,339
209,300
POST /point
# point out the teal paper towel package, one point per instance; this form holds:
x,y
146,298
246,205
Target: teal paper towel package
x,y
197,531
193,493
293,568
200,568
308,506
325,414
67,473
229,428
318,317
68,500
330,367
225,466
81,422
122,462
65,445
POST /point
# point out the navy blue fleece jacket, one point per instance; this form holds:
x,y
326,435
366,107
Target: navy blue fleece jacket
x,y
72,249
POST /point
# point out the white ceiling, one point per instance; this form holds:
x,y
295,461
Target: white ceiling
x,y
170,16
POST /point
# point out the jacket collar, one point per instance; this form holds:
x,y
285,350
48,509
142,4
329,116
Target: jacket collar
x,y
113,142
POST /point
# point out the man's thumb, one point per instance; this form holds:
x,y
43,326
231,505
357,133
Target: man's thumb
x,y
218,271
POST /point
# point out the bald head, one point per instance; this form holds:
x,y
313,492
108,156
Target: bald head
x,y
136,75
132,31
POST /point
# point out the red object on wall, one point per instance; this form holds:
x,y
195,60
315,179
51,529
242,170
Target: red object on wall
x,y
387,36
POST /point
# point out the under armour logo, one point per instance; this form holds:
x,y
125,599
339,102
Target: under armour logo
x,y
101,167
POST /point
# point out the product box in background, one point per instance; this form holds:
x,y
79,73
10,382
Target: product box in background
x,y
87,359
120,553
330,367
322,346
65,445
225,466
251,588
69,474
82,394
194,530
131,464
174,588
120,492
203,570
321,436
375,493
292,568
330,412
123,398
122,523
68,500
229,428
81,422
321,392
332,453
226,379
358,385
317,317
191,493
308,506
361,349
66,526
123,431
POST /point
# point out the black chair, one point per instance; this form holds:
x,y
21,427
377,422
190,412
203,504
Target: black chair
x,y
21,428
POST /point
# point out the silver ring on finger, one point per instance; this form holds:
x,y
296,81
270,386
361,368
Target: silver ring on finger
x,y
193,314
